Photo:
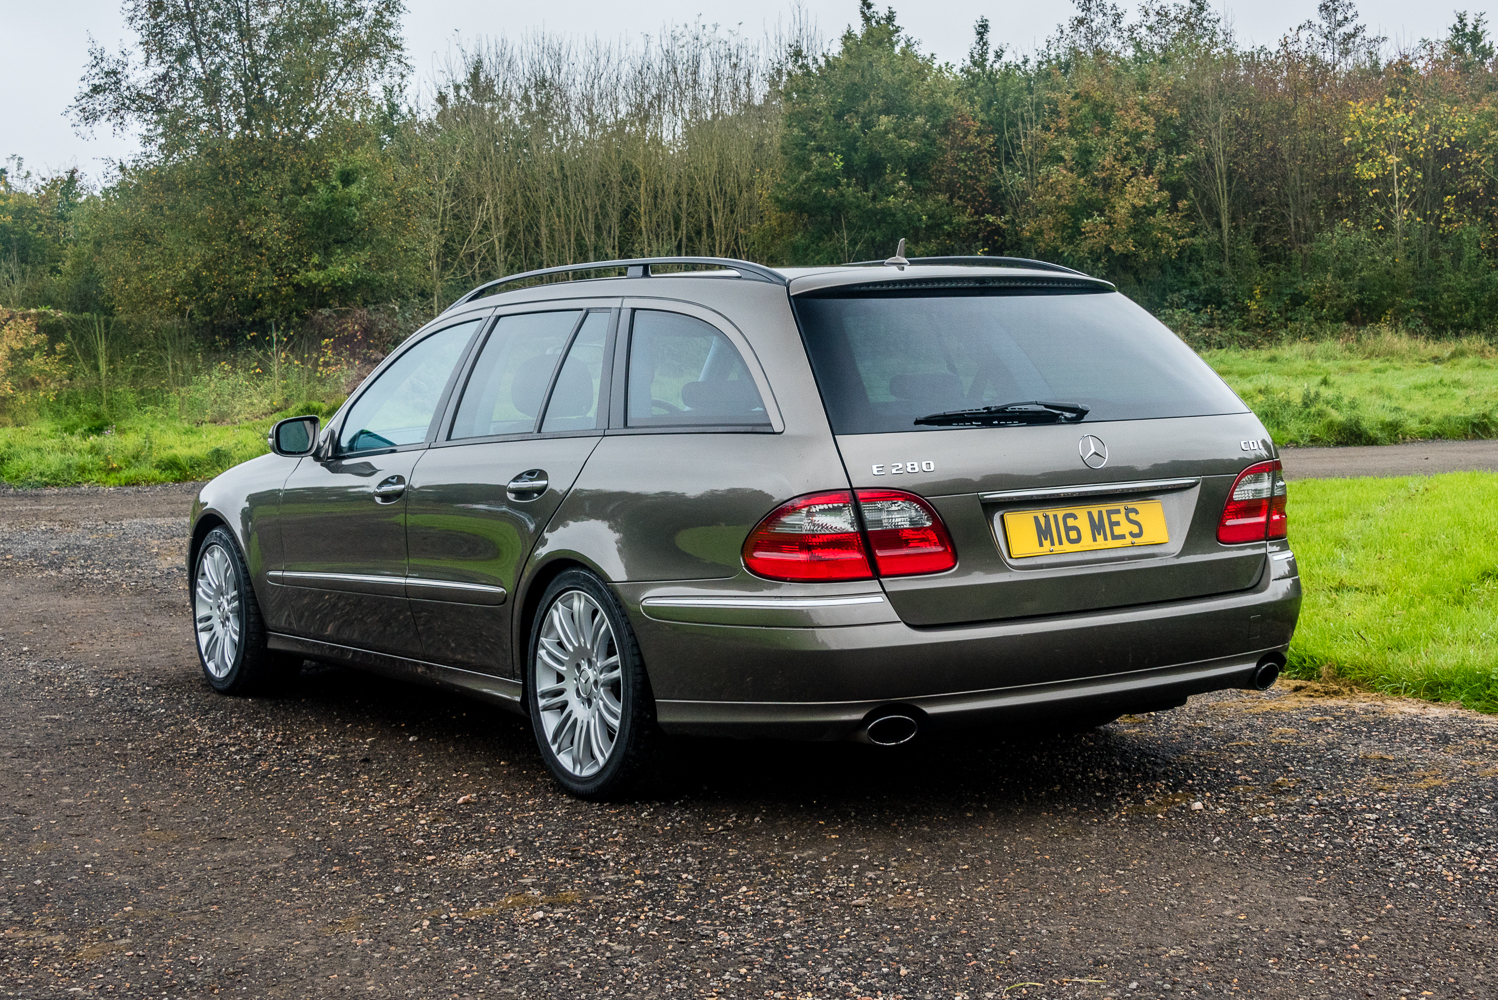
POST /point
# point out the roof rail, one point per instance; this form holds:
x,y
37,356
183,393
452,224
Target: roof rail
x,y
1040,265
636,267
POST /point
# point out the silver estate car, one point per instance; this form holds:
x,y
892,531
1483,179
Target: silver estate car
x,y
702,496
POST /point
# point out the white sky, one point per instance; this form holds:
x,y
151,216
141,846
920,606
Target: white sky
x,y
43,43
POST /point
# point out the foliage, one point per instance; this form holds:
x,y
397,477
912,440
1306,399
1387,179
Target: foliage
x,y
31,368
1401,592
290,172
1096,199
552,152
204,71
250,232
869,132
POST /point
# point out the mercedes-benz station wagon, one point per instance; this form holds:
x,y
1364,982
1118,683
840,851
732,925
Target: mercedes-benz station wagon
x,y
702,496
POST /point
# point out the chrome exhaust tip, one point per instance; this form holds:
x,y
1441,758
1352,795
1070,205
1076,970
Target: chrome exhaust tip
x,y
889,730
1268,671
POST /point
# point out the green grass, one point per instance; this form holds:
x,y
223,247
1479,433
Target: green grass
x,y
1379,389
146,446
1401,584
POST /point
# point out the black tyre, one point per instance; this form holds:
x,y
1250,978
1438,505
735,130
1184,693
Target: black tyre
x,y
586,691
231,635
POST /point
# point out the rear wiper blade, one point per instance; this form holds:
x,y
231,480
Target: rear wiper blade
x,y
1035,411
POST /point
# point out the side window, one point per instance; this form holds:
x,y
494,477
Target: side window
x,y
682,372
574,399
507,386
398,408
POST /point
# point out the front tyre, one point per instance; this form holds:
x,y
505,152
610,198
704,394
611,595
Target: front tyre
x,y
230,632
587,694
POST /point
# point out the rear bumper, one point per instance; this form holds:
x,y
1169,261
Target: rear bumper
x,y
1093,697
823,683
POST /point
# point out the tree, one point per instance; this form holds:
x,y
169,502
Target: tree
x,y
868,130
209,70
268,187
1343,41
1468,42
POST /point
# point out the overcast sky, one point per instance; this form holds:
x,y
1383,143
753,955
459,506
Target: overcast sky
x,y
43,43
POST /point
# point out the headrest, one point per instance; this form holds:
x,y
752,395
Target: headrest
x,y
528,387
935,389
722,398
574,394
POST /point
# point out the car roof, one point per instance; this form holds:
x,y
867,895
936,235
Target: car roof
x,y
889,275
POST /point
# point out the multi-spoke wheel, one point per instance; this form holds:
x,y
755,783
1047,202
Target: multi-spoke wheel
x,y
216,610
589,701
231,635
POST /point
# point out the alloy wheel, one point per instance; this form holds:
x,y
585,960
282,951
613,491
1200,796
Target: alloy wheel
x,y
216,602
579,684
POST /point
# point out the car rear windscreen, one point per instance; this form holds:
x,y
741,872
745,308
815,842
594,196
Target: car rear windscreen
x,y
884,359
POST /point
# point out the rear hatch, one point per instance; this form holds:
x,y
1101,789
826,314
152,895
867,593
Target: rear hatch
x,y
1113,503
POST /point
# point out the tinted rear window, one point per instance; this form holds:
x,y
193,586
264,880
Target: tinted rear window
x,y
883,360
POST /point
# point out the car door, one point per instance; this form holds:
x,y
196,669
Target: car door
x,y
529,413
343,514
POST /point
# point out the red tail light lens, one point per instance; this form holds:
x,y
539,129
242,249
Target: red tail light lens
x,y
906,534
810,538
1256,506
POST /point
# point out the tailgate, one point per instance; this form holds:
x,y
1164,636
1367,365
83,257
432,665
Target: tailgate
x,y
1169,476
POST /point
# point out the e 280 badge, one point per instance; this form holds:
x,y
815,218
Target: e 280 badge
x,y
897,468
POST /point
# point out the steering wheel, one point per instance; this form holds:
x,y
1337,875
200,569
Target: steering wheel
x,y
665,406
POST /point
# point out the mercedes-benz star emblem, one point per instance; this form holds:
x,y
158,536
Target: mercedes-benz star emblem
x,y
1094,453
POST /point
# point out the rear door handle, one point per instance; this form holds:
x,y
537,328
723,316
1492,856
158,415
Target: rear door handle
x,y
528,485
389,490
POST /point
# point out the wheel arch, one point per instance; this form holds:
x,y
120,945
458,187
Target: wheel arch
x,y
537,579
206,522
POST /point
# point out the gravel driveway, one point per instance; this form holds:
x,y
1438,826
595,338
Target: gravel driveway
x,y
364,838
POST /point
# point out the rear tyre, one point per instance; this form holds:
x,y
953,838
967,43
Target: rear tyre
x,y
230,631
586,691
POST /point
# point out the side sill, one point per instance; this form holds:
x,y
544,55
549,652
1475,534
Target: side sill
x,y
502,691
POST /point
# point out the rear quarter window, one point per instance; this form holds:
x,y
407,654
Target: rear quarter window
x,y
883,360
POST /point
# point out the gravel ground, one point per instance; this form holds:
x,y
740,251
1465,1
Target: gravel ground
x,y
360,837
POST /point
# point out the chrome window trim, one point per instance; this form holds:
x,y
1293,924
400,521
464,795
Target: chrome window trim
x,y
1093,489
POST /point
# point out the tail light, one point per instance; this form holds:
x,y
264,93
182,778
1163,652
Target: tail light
x,y
906,534
817,538
811,538
1256,506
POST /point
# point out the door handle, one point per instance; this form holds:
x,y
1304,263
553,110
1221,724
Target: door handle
x,y
527,486
389,490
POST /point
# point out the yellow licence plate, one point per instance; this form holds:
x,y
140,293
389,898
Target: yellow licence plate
x,y
1083,529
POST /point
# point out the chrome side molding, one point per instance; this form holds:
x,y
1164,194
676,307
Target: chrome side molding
x,y
393,586
762,603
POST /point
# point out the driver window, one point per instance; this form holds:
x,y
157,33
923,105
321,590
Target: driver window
x,y
683,372
398,408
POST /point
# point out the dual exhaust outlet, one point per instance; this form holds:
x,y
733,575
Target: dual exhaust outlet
x,y
892,728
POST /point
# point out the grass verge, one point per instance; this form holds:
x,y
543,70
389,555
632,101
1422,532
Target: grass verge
x,y
143,447
1379,389
1401,584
